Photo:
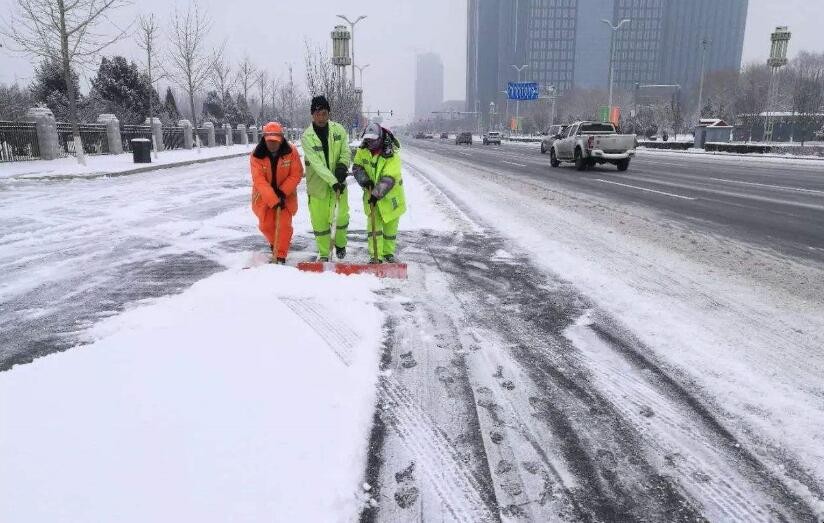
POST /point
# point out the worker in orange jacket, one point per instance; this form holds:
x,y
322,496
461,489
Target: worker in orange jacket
x,y
276,172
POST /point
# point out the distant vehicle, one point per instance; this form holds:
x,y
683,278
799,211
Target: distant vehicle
x,y
464,138
429,136
420,136
552,134
444,136
590,143
492,137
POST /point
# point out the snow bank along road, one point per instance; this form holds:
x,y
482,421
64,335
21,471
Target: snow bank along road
x,y
554,356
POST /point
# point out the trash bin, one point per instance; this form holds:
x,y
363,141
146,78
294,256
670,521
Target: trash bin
x,y
142,150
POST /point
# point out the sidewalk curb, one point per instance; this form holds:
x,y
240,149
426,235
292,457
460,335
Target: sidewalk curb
x,y
139,170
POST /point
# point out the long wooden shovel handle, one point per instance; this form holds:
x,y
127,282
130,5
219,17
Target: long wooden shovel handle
x,y
375,253
277,234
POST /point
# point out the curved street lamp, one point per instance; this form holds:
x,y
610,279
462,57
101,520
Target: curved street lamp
x,y
615,29
352,31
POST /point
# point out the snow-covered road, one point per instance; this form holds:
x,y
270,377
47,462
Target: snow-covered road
x,y
551,357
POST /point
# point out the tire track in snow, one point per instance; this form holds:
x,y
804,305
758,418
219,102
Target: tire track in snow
x,y
338,337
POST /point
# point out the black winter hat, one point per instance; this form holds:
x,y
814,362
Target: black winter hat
x,y
319,103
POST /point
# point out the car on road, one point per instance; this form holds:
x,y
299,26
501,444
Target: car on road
x,y
589,143
552,134
463,138
492,137
444,136
420,136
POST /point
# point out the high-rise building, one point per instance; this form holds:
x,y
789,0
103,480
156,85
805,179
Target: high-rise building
x,y
565,43
428,85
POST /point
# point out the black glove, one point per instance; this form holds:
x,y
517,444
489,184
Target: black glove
x,y
341,172
373,199
339,187
282,202
368,185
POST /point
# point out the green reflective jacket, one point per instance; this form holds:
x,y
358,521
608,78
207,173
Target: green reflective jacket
x,y
320,177
393,205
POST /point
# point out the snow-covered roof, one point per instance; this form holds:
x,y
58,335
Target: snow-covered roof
x,y
713,122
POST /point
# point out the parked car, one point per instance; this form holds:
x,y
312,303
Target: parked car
x,y
444,136
463,138
420,136
492,137
552,134
590,143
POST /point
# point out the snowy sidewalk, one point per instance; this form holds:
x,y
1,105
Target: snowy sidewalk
x,y
116,163
248,396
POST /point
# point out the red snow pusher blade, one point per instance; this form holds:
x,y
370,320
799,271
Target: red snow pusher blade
x,y
381,270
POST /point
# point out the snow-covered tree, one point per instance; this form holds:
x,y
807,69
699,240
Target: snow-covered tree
x,y
124,89
213,110
188,61
322,78
66,33
14,102
244,114
170,107
49,88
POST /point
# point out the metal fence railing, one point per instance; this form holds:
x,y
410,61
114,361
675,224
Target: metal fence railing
x,y
237,136
220,137
172,138
18,141
93,136
129,132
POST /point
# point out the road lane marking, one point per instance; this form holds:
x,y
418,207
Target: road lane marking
x,y
799,189
513,163
647,190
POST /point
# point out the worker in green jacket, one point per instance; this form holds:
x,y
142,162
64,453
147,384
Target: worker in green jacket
x,y
327,158
377,169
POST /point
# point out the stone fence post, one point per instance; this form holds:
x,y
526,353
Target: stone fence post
x,y
210,134
244,138
255,137
157,132
112,132
228,130
46,131
188,140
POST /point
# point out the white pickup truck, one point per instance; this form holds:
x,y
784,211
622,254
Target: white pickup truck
x,y
590,143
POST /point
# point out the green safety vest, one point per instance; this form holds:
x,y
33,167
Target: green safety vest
x,y
320,176
393,205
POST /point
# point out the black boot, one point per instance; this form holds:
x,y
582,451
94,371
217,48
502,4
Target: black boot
x,y
340,252
374,261
281,261
389,258
323,259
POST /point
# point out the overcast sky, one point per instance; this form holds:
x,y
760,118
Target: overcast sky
x,y
273,33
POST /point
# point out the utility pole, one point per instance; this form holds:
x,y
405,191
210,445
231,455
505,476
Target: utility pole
x,y
352,31
705,43
518,102
615,29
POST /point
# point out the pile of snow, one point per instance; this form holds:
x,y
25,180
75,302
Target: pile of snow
x,y
249,397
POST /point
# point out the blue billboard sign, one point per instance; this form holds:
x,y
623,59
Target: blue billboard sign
x,y
522,90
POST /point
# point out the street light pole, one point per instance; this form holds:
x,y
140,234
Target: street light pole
x,y
705,43
518,102
352,31
360,70
612,53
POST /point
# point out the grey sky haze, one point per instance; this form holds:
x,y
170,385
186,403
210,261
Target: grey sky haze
x,y
273,33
